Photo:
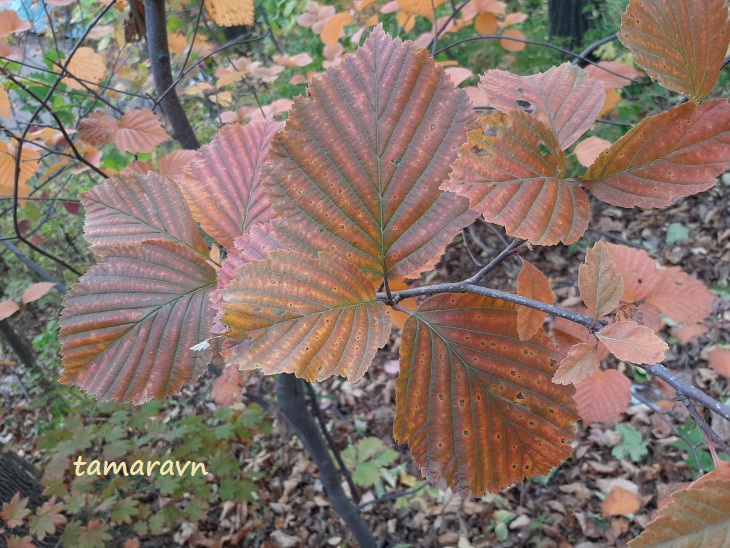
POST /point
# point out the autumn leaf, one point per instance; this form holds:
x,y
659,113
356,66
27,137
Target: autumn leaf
x,y
680,296
620,501
719,360
513,45
116,323
311,317
620,74
474,403
682,50
29,159
566,99
4,103
85,68
11,23
486,24
582,361
632,342
15,511
46,518
636,268
512,167
589,149
227,388
600,285
98,128
356,171
533,284
36,291
424,8
670,155
603,396
333,29
8,308
230,13
139,131
693,517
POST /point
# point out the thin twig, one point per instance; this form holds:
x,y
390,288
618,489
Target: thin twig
x,y
703,424
393,496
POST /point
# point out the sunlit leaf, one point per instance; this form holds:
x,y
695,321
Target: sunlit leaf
x,y
8,308
128,325
86,68
603,396
311,317
693,517
620,501
357,169
582,361
567,100
667,156
230,13
29,159
333,29
589,149
632,342
600,285
139,131
682,45
223,186
127,211
533,284
474,403
511,170
424,8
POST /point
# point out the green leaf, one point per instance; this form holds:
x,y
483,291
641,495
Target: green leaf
x,y
46,518
236,489
632,444
124,510
676,233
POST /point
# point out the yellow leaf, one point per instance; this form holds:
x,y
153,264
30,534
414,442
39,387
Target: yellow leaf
x,y
28,167
333,28
486,24
612,99
230,13
85,67
406,21
424,8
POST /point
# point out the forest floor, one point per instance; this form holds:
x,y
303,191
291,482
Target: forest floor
x,y
562,510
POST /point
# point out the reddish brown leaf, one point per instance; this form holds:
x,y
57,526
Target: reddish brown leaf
x,y
15,511
681,44
174,165
98,128
36,291
693,517
719,360
357,169
129,211
86,68
223,186
620,76
567,100
138,168
600,285
581,362
10,23
311,317
603,396
637,270
129,324
632,342
681,296
7,309
689,332
620,501
533,284
567,334
474,403
589,149
670,155
511,171
139,131
227,388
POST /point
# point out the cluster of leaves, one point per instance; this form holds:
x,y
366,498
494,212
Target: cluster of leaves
x,y
91,510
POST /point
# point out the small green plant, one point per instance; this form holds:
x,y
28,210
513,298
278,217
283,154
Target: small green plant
x,y
368,458
632,445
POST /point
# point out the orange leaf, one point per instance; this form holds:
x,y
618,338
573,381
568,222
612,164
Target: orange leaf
x,y
424,8
510,168
719,360
689,332
476,405
486,24
98,128
670,155
173,165
140,131
87,66
681,296
620,501
603,396
632,342
227,388
566,99
513,45
36,291
223,185
637,269
28,167
600,285
352,180
612,99
582,361
682,51
396,316
7,309
589,149
620,76
311,317
334,28
11,23
230,13
4,103
533,284
693,517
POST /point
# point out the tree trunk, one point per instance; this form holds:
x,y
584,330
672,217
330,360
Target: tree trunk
x,y
567,19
